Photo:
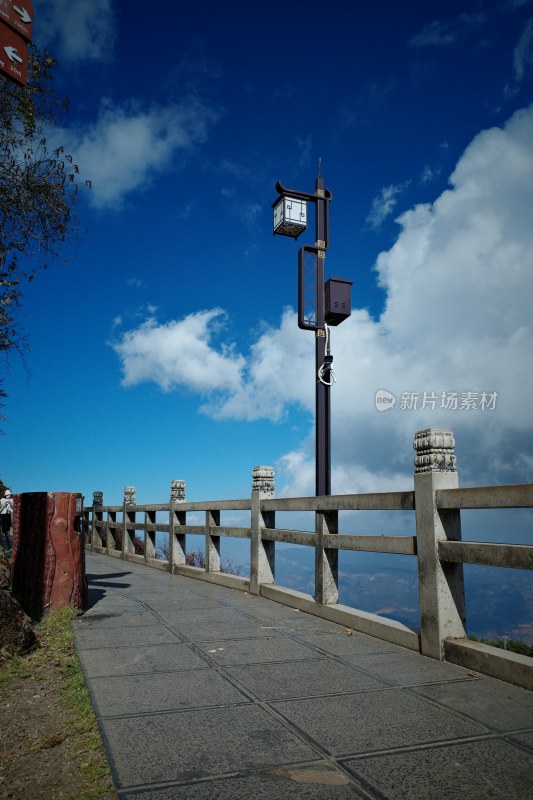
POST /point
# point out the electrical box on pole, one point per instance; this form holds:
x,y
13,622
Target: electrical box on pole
x,y
337,300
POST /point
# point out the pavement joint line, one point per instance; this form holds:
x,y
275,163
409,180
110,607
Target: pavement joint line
x,y
395,684
414,748
206,779
442,682
355,667
318,649
508,737
348,693
151,672
518,732
373,791
460,714
389,682
162,712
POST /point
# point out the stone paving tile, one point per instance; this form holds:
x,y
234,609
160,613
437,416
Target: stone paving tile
x,y
135,660
212,616
111,637
302,679
301,623
146,593
191,744
342,643
237,749
252,651
163,691
314,782
269,610
113,571
491,702
182,604
100,598
407,668
117,617
218,631
373,721
481,770
104,585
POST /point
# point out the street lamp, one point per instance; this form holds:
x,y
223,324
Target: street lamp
x,y
319,305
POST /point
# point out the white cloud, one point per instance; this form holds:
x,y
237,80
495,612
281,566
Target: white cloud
x,y
383,204
268,386
523,54
246,211
83,30
447,34
304,145
459,289
180,353
128,146
429,174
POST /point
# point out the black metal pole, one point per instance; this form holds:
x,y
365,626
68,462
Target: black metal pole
x,y
322,394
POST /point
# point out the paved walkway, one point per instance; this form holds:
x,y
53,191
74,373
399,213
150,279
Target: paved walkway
x,y
208,693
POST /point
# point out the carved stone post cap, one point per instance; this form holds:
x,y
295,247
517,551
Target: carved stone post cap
x,y
130,495
98,498
263,480
177,491
434,451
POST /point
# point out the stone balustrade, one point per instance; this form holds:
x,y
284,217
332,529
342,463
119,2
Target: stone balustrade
x,y
437,501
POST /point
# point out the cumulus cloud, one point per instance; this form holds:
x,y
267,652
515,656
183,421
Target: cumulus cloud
x,y
129,145
78,31
384,204
457,321
272,379
180,353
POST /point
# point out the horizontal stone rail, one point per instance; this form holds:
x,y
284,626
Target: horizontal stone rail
x,y
517,556
369,543
437,546
514,495
382,501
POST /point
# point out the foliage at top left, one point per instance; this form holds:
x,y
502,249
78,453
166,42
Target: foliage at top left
x,y
38,188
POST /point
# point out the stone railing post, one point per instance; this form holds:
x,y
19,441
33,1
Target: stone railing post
x,y
440,586
128,533
326,559
96,518
212,541
262,553
176,541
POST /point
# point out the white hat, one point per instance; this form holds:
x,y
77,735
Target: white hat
x,y
7,493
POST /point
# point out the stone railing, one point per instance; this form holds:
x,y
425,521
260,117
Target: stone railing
x,y
440,551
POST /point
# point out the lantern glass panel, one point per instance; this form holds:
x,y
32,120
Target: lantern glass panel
x,y
290,216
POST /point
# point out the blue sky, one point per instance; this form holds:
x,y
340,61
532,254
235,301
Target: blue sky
x,y
167,347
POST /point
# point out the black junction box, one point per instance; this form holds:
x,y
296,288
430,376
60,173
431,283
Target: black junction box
x,y
337,298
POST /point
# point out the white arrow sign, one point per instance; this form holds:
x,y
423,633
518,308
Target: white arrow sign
x,y
13,54
25,17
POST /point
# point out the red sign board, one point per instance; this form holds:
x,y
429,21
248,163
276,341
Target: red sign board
x,y
18,14
13,56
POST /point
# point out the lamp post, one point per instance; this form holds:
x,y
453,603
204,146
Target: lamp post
x,y
319,305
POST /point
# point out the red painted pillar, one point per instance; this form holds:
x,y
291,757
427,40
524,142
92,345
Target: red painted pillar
x,y
48,562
